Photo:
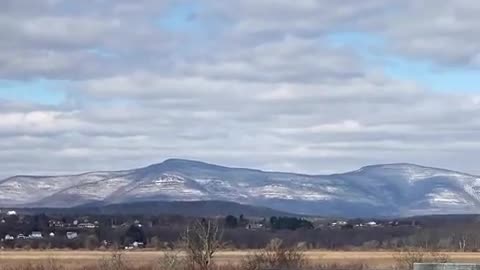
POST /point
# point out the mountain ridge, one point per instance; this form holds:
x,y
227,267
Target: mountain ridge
x,y
374,190
192,161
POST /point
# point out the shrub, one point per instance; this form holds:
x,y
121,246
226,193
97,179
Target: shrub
x,y
406,259
114,262
275,256
170,261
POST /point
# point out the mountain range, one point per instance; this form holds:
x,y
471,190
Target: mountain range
x,y
378,190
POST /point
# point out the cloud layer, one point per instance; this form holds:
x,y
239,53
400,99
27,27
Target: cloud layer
x,y
243,83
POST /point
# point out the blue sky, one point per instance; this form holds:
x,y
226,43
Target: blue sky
x,y
181,18
374,51
455,79
35,91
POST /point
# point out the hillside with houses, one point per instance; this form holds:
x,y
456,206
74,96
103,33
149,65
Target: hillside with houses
x,y
113,232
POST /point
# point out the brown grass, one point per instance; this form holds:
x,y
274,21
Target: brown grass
x,y
138,259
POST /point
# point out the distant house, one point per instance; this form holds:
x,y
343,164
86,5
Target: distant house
x,y
56,223
52,234
135,245
35,235
372,224
394,223
86,225
72,235
11,213
339,223
9,237
21,236
254,226
138,244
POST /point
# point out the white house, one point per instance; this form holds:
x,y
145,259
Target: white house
x,y
35,235
72,235
339,223
372,224
254,226
138,244
11,213
86,225
9,237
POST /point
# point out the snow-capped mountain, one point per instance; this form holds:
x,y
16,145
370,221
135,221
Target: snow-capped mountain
x,y
379,190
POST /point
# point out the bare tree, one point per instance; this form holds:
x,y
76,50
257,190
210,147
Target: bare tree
x,y
462,243
201,240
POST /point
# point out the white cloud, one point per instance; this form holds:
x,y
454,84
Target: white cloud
x,y
266,89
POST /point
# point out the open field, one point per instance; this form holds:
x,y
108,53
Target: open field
x,y
139,258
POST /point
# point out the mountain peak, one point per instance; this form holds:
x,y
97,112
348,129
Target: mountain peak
x,y
401,165
179,161
407,167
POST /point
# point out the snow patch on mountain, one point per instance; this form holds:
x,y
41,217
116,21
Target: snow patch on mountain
x,y
390,189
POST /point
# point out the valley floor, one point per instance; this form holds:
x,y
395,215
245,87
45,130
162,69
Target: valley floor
x,y
139,258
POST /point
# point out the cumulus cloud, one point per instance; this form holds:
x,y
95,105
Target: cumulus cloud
x,y
248,83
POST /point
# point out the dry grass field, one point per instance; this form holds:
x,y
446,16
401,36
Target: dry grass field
x,y
74,259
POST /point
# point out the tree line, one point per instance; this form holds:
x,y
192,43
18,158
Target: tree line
x,y
239,232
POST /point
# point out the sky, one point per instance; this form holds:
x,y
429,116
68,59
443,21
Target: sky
x,y
313,86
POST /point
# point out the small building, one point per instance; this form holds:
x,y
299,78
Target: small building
x,y
138,244
86,225
52,234
9,237
72,235
372,224
35,235
135,245
56,223
254,226
11,213
21,236
394,223
339,223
